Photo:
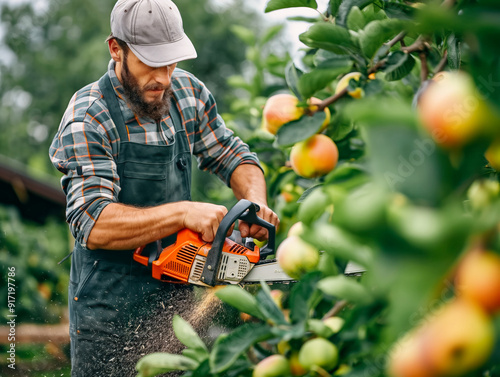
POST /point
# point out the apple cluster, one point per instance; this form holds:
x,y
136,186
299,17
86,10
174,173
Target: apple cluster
x,y
459,337
317,155
315,354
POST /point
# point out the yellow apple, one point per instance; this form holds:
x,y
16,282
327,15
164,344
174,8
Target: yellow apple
x,y
344,83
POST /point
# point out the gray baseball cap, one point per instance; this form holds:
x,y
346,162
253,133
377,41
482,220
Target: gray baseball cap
x,y
153,31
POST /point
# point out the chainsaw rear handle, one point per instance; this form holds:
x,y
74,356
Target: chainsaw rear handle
x,y
244,210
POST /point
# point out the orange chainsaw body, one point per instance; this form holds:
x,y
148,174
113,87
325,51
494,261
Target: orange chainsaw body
x,y
183,262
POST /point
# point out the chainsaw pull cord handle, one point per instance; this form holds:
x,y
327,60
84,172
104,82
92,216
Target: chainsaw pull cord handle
x,y
246,211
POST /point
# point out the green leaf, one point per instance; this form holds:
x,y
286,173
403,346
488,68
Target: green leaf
x,y
318,327
410,159
334,7
399,64
270,33
454,52
313,205
344,172
345,288
329,37
398,10
269,307
310,20
327,265
373,87
273,5
228,348
292,76
345,9
302,297
376,33
245,34
203,370
186,334
374,110
238,81
327,59
339,243
240,299
300,129
158,363
355,20
318,79
195,354
340,127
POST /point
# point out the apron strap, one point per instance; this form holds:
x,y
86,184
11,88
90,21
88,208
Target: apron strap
x,y
175,115
109,94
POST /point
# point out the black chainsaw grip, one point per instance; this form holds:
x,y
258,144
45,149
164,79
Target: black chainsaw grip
x,y
246,211
251,217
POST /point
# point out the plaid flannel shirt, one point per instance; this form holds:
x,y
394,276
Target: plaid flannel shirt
x,y
86,144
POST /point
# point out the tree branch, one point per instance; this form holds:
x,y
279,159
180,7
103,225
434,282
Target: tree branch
x,y
442,63
337,308
328,101
396,39
424,70
419,45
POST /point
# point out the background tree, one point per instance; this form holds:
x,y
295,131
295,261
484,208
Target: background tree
x,y
53,50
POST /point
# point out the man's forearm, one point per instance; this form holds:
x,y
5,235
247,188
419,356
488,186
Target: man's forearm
x,y
122,227
247,182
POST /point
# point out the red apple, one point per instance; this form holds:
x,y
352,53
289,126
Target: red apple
x,y
314,157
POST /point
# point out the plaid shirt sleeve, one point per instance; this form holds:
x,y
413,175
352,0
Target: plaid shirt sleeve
x,y
82,151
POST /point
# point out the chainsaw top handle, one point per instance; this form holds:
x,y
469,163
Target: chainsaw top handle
x,y
244,210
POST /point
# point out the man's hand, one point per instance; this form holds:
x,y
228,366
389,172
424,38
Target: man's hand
x,y
256,231
204,218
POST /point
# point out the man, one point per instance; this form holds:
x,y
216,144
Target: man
x,y
125,144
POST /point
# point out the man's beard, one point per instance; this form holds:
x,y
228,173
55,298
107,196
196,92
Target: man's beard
x,y
135,96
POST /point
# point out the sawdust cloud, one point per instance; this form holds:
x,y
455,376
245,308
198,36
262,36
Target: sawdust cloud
x,y
198,306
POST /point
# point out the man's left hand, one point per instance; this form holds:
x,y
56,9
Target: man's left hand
x,y
256,231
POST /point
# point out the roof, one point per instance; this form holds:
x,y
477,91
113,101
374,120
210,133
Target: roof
x,y
37,197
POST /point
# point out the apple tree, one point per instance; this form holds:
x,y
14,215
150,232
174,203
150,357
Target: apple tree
x,y
402,181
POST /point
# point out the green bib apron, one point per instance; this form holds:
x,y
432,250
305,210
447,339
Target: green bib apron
x,y
113,300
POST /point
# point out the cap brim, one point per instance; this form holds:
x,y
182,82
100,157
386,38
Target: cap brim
x,y
160,55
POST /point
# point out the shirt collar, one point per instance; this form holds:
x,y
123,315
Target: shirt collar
x,y
117,85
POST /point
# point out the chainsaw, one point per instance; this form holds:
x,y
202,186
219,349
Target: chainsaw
x,y
226,260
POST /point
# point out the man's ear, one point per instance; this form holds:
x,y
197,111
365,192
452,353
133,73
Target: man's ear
x,y
115,50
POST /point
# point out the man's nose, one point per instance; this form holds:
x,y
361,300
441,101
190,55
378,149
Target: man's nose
x,y
163,75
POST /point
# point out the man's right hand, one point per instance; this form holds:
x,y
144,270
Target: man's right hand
x,y
204,218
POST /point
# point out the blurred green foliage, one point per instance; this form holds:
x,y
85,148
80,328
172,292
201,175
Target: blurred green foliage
x,y
34,250
398,203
